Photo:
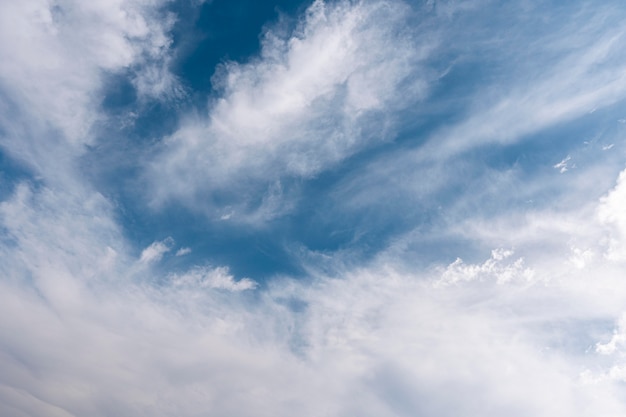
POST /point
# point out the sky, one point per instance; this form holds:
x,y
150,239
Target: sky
x,y
313,208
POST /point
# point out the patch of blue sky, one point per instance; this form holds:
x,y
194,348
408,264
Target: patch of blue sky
x,y
260,254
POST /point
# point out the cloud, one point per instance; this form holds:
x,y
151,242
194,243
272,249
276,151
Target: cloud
x,y
393,338
531,106
156,250
563,165
57,54
88,329
493,268
610,213
45,231
616,342
308,100
216,278
79,321
183,251
583,71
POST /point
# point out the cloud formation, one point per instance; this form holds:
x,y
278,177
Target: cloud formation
x,y
312,97
496,286
156,250
57,57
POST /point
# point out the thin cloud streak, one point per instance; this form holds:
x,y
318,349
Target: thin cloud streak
x,y
577,77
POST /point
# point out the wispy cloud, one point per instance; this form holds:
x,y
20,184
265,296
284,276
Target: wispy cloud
x,y
188,347
215,278
523,294
156,250
56,55
309,100
563,165
585,73
494,268
183,251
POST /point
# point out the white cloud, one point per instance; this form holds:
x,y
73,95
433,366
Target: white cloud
x,y
495,268
213,278
83,331
611,213
455,172
55,56
582,68
617,341
183,251
308,101
156,250
395,339
563,165
401,343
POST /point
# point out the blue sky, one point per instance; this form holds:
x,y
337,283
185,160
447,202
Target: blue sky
x,y
320,208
